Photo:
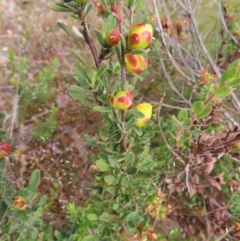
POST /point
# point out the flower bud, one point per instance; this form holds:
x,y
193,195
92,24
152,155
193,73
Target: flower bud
x,y
114,9
99,6
5,149
146,110
135,63
20,203
113,37
140,36
122,100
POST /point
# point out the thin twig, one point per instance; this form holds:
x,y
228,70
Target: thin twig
x,y
225,234
90,43
224,23
161,131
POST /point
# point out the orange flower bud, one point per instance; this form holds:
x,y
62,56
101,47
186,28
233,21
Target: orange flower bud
x,y
122,100
5,149
113,37
140,36
146,110
135,63
19,203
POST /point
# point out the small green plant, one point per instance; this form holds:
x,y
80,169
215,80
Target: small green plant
x,y
33,93
20,207
45,129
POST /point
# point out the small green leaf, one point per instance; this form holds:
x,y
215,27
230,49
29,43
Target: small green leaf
x,y
89,140
149,134
223,91
234,82
60,9
134,182
111,20
34,180
137,130
100,38
206,112
102,108
133,217
34,234
143,175
116,68
87,9
2,133
92,77
102,165
8,201
136,113
89,238
9,140
129,158
198,107
105,217
130,122
118,52
123,41
182,114
175,121
68,31
42,201
138,77
138,150
58,235
92,217
187,123
109,179
77,92
115,206
2,117
80,59
138,51
80,72
231,77
113,162
186,136
105,83
132,171
101,70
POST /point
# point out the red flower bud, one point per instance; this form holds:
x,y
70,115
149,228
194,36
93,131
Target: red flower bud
x,y
113,37
5,149
114,9
122,100
135,63
140,36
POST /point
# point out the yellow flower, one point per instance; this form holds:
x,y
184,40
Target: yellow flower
x,y
146,110
140,36
135,63
122,100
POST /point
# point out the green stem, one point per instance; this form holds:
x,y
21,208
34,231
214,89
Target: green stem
x,y
123,70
